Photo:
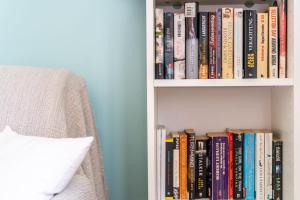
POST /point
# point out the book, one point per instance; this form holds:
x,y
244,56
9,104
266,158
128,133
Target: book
x,y
227,43
176,144
183,160
231,152
273,42
238,43
237,165
191,162
169,45
191,41
159,43
169,167
249,166
250,48
212,45
260,166
161,160
201,168
268,166
282,38
179,46
219,44
203,44
277,170
262,44
219,158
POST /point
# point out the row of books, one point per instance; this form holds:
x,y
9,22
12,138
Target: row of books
x,y
229,43
236,164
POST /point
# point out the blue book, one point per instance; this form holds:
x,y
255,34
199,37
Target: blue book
x,y
249,166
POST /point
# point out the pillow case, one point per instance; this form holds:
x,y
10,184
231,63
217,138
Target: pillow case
x,y
36,168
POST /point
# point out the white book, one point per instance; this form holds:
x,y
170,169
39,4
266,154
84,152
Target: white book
x,y
176,164
163,163
268,166
273,42
158,160
260,166
179,46
238,43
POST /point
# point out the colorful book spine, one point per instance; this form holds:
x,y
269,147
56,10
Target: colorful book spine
x,y
268,166
219,44
191,162
227,43
250,39
203,45
169,167
273,42
212,45
159,43
201,176
231,155
191,41
238,166
260,166
169,45
238,43
176,144
179,46
282,38
277,170
249,166
262,44
183,159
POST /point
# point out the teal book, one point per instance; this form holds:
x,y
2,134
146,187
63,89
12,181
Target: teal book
x,y
249,166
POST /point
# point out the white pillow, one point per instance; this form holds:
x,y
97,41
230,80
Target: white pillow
x,y
36,168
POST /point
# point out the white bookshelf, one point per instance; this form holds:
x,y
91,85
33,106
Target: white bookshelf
x,y
210,105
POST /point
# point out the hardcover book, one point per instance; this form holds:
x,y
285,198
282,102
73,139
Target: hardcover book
x,y
169,45
262,45
238,165
277,170
191,162
250,39
212,45
282,38
260,166
169,167
183,160
219,44
176,144
159,43
268,166
273,42
203,44
238,43
191,41
179,46
227,43
249,166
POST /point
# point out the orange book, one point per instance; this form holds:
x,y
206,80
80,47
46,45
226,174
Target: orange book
x,y
183,166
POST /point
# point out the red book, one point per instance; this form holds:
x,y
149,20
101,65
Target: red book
x,y
230,178
282,38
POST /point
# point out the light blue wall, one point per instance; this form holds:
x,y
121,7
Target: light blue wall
x,y
104,41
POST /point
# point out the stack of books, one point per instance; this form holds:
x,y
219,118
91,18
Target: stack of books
x,y
234,164
231,43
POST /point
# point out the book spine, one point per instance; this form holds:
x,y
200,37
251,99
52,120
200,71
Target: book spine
x,y
163,163
183,166
282,38
250,39
201,176
169,168
159,43
262,45
220,168
176,167
238,166
191,164
238,43
158,159
273,42
227,43
179,46
268,166
169,45
219,44
203,45
260,166
277,170
249,166
191,41
230,178
210,168
212,45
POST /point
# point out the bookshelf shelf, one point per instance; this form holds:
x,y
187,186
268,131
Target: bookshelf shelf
x,y
223,83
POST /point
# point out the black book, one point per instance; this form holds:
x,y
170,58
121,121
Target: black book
x,y
277,170
203,44
169,166
169,45
201,176
191,162
250,44
238,166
